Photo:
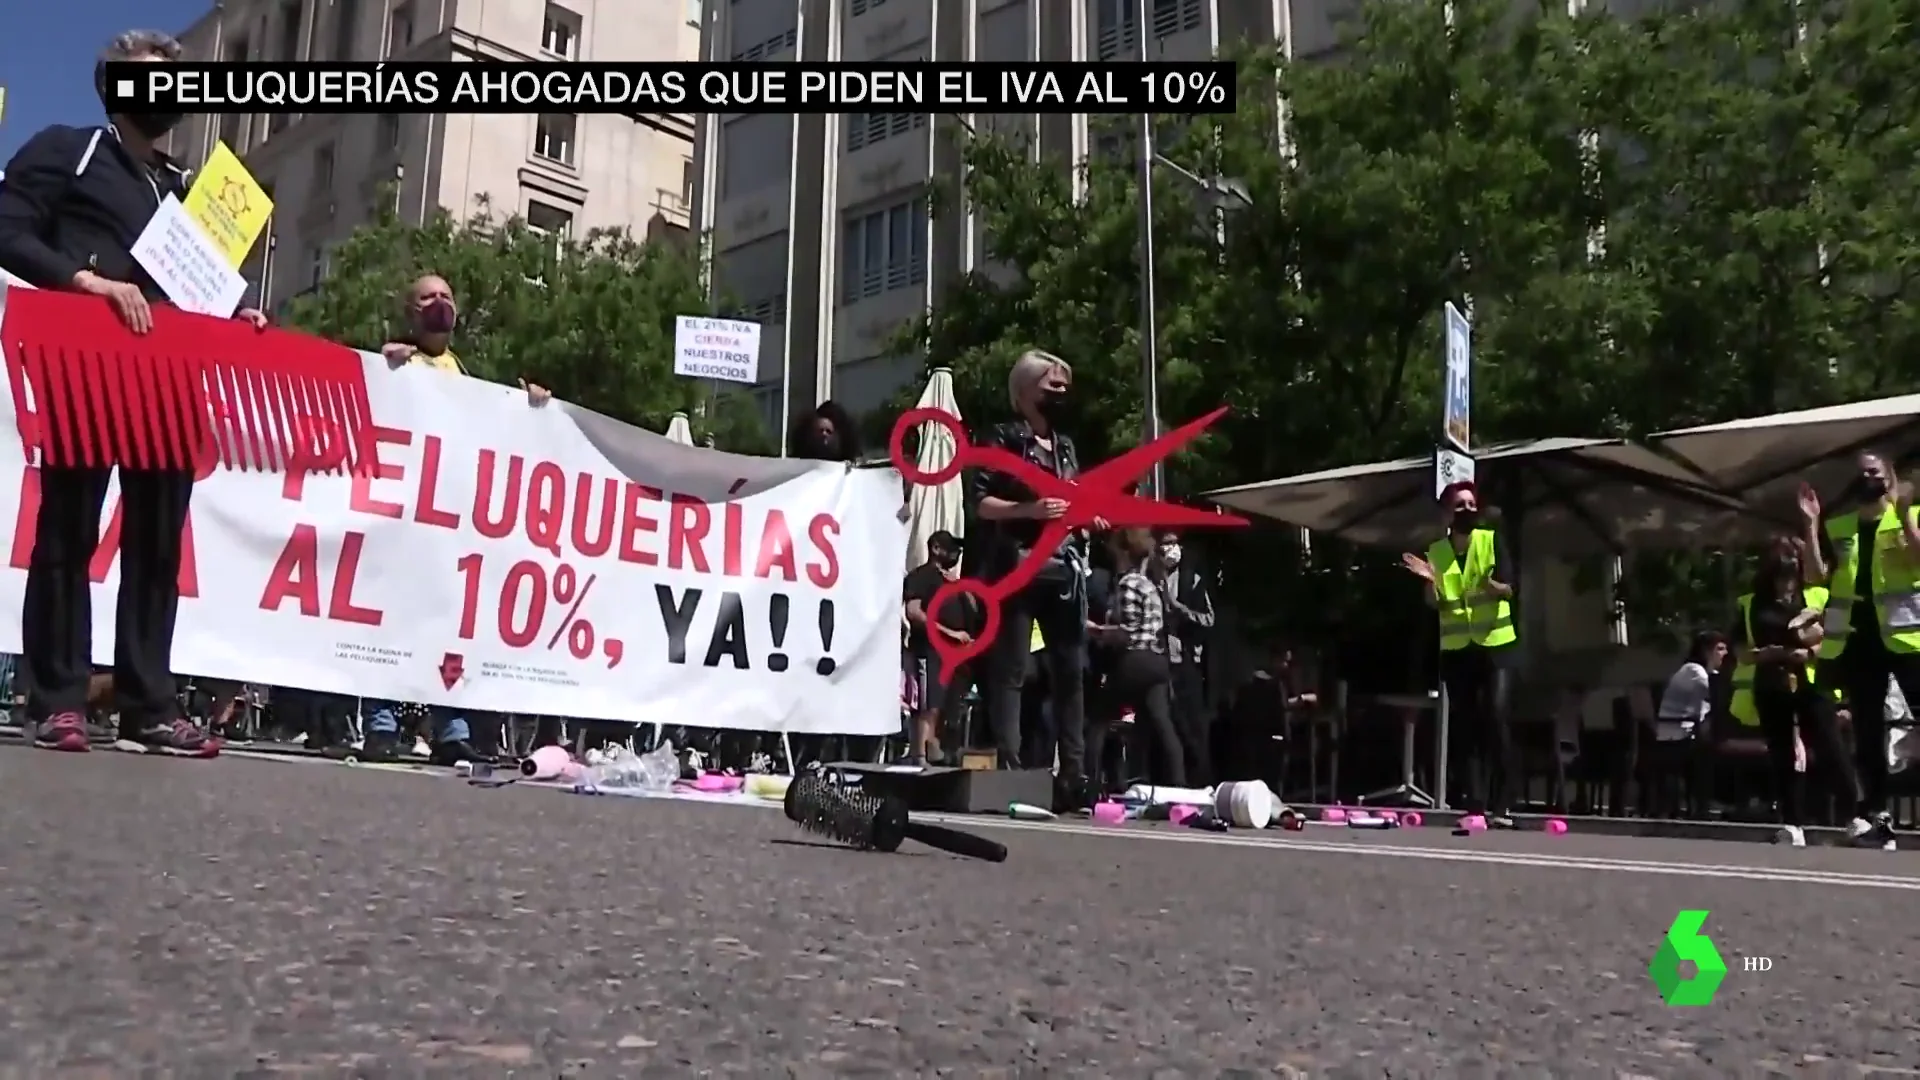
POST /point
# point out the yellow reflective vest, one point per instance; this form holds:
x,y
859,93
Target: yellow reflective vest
x,y
1896,584
1742,706
1465,617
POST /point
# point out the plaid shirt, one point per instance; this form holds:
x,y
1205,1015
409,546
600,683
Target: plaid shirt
x,y
1140,611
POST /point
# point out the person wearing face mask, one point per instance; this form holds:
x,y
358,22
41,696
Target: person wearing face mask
x,y
1465,575
72,206
1189,622
957,622
431,316
1011,518
1774,687
1868,556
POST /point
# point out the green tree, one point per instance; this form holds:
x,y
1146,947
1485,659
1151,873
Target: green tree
x,y
1430,163
590,319
1765,226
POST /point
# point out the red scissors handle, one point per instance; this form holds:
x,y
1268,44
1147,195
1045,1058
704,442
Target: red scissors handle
x,y
1102,493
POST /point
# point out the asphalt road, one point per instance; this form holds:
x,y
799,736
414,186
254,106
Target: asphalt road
x,y
247,918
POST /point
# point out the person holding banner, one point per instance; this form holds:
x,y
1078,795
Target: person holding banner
x,y
1011,519
431,314
74,203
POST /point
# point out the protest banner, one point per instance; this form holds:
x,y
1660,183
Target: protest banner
x,y
541,560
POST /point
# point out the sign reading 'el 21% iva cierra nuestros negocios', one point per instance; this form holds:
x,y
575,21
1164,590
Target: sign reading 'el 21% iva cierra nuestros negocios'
x,y
1182,87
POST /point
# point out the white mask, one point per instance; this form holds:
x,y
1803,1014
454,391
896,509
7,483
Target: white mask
x,y
1170,554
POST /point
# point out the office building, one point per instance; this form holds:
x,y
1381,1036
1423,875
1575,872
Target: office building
x,y
563,172
794,202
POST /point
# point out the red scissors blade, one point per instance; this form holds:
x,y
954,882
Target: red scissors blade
x,y
1115,473
1124,511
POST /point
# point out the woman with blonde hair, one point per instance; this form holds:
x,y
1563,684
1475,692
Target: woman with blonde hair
x,y
1011,518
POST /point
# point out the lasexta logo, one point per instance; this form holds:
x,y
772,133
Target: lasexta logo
x,y
1684,942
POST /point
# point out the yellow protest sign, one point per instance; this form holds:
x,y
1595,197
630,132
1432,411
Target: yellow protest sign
x,y
229,205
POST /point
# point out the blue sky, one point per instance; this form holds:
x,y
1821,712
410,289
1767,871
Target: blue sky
x,y
47,49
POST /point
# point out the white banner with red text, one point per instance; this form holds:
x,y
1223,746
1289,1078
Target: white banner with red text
x,y
539,560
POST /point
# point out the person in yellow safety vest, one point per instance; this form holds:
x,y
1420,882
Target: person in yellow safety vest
x,y
1466,582
1775,640
1866,550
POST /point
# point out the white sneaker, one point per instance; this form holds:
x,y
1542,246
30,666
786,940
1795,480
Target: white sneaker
x,y
1791,835
1876,831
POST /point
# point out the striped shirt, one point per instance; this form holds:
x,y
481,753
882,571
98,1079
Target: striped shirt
x,y
1140,611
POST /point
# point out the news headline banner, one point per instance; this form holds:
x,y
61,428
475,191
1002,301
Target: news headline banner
x,y
585,87
549,561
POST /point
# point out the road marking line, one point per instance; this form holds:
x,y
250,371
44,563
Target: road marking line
x,y
1786,875
1780,875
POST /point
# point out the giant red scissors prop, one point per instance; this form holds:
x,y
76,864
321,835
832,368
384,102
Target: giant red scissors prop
x,y
1101,493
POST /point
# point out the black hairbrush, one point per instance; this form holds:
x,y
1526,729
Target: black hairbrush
x,y
874,823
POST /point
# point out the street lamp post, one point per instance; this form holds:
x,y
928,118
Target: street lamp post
x,y
1225,196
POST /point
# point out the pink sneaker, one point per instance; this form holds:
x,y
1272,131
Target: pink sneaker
x,y
66,732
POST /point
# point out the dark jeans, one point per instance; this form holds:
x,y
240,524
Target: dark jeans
x,y
1479,726
1779,712
1061,612
1864,668
1194,721
1141,679
57,616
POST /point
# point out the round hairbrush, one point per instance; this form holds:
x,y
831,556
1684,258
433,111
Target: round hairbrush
x,y
873,823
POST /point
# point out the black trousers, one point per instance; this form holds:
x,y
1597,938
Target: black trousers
x,y
1479,726
1141,679
57,616
1061,613
1194,721
1864,668
1780,712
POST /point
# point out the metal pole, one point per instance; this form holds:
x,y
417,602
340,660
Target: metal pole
x,y
1149,330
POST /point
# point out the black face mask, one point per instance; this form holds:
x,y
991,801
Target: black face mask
x,y
1464,520
945,560
1052,406
154,125
1870,488
437,318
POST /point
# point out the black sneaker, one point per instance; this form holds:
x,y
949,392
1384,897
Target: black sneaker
x,y
380,746
454,752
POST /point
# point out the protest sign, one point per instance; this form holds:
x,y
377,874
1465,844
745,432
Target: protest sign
x,y
544,560
724,349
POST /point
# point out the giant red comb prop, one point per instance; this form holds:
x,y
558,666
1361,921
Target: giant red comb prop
x,y
1098,493
89,392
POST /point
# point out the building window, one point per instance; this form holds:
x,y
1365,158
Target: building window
x,y
388,138
323,170
346,24
861,7
772,46
549,220
693,12
767,311
865,129
560,34
1172,17
553,135
1117,29
317,266
400,29
290,13
233,131
884,250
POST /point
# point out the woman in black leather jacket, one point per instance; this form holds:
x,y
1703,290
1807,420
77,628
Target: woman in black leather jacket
x,y
1010,519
